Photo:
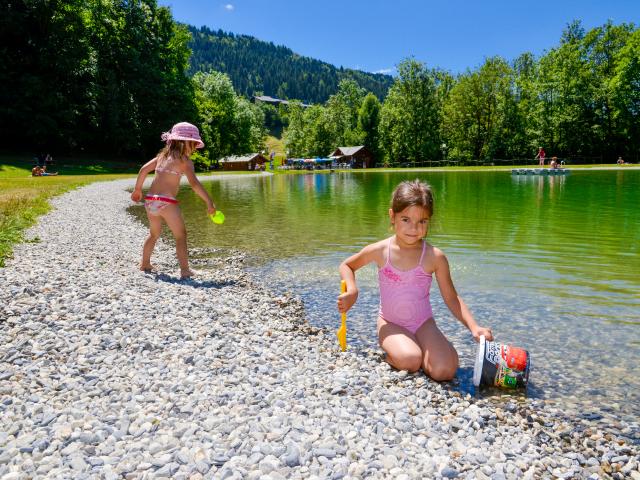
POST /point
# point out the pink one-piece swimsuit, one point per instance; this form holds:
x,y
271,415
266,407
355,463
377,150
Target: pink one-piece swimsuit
x,y
404,295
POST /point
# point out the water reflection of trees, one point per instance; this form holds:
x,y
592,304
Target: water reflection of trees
x,y
584,225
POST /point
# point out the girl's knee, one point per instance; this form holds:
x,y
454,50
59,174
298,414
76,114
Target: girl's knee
x,y
442,373
443,369
180,236
409,361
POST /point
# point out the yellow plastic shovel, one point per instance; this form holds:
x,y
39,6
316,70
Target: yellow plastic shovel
x,y
341,333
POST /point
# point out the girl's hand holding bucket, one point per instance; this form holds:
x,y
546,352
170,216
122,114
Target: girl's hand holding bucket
x,y
501,365
482,331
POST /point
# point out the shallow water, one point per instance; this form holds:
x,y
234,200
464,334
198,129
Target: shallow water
x,y
551,264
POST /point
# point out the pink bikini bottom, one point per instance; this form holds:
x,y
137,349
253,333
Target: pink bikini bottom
x,y
155,203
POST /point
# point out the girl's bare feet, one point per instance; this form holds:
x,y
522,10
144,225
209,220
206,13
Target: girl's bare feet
x,y
186,274
148,268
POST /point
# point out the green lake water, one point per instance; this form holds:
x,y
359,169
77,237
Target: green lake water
x,y
551,264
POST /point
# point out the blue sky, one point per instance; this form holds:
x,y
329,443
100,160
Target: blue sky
x,y
376,35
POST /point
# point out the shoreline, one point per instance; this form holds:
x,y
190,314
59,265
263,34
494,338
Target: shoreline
x,y
107,371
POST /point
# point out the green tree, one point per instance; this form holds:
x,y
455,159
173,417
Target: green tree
x,y
475,119
248,123
410,115
46,72
602,48
294,133
140,86
341,115
564,113
320,132
524,133
230,124
368,121
319,129
215,99
273,120
625,92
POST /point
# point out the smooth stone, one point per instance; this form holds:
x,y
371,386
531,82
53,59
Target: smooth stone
x,y
219,460
324,452
202,467
292,457
449,472
78,463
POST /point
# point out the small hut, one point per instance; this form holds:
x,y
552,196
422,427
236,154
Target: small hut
x,y
245,162
356,157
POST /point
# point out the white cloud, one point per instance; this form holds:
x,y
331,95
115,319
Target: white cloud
x,y
386,71
229,7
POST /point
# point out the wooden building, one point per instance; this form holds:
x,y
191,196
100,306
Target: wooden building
x,y
357,157
246,162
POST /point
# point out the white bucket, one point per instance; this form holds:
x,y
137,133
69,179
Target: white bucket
x,y
501,365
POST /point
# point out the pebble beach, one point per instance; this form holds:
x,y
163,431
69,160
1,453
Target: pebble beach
x,y
108,372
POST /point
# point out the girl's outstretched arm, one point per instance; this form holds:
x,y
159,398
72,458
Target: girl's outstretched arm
x,y
370,253
198,188
453,300
148,167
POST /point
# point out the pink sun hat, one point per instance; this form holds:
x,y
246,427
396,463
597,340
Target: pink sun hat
x,y
183,131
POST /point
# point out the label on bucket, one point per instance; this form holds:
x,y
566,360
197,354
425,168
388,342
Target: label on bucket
x,y
501,365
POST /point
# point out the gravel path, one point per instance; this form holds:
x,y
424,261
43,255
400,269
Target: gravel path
x,y
106,372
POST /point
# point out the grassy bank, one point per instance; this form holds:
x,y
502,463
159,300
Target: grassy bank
x,y
24,198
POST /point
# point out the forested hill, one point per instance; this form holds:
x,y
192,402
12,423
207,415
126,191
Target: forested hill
x,y
257,66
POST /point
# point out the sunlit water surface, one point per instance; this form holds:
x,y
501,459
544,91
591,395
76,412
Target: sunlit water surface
x,y
551,264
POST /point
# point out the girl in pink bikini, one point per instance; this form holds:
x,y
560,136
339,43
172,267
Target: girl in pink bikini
x,y
406,263
160,202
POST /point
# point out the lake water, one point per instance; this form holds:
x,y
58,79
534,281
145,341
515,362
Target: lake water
x,y
551,264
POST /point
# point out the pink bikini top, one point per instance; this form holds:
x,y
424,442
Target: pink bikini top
x,y
168,170
404,295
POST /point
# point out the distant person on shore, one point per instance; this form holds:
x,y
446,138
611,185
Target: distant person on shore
x,y
540,155
620,161
44,173
554,163
160,203
407,331
36,171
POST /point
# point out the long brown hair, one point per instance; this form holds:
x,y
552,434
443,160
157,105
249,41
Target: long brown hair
x,y
174,149
412,193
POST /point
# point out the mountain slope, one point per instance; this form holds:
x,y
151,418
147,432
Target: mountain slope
x,y
257,66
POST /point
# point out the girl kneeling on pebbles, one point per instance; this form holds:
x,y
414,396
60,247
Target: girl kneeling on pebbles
x,y
407,331
170,164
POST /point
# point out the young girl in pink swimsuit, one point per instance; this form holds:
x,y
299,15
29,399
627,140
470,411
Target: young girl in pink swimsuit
x,y
406,263
160,202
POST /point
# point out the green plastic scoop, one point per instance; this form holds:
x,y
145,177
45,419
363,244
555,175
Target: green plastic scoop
x,y
217,218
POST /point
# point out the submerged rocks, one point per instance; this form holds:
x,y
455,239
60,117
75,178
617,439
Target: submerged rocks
x,y
109,372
